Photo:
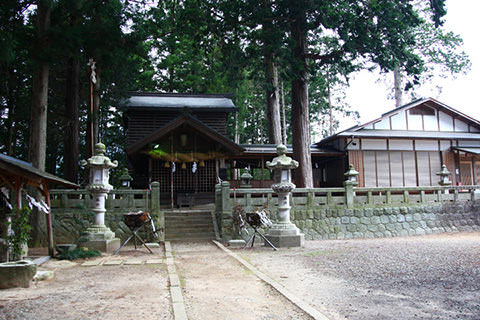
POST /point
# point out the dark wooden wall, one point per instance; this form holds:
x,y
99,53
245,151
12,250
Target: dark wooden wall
x,y
142,123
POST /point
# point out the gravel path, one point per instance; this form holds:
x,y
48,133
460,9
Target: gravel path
x,y
424,277
217,287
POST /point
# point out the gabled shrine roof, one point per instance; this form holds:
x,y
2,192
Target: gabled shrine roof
x,y
206,102
194,123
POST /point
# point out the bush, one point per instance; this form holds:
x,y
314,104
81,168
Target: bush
x,y
78,253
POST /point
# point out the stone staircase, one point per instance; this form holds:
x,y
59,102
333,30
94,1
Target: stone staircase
x,y
189,225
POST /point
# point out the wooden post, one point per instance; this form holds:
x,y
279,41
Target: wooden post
x,y
405,196
51,244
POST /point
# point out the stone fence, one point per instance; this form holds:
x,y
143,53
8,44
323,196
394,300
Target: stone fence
x,y
321,213
350,212
72,212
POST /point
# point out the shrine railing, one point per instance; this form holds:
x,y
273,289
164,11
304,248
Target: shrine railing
x,y
349,196
116,199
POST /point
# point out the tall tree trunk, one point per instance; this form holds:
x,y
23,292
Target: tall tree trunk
x,y
38,111
12,100
271,77
300,116
273,103
397,80
330,111
71,136
284,120
96,108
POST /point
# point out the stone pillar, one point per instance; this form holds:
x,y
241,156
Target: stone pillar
x,y
157,214
283,233
225,212
99,236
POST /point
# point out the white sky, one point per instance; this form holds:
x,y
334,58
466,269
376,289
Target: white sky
x,y
371,97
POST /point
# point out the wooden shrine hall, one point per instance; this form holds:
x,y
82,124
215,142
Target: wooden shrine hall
x,y
180,140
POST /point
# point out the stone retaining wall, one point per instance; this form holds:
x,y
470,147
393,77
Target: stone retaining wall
x,y
68,224
341,223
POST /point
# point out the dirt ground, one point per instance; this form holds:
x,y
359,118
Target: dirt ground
x,y
424,277
99,292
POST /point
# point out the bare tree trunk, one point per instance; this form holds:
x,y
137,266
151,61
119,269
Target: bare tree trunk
x,y
71,136
38,110
96,108
397,80
300,116
12,100
330,113
273,105
284,121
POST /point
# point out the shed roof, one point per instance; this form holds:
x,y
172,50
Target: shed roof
x,y
207,102
14,166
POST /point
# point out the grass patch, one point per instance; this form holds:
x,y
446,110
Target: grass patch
x,y
78,253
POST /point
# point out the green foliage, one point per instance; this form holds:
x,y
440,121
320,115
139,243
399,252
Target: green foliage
x,y
166,46
78,253
20,231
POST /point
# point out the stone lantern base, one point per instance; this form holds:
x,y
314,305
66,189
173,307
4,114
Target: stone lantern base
x,y
285,235
99,238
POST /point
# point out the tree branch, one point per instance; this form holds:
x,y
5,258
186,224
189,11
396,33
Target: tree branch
x,y
316,56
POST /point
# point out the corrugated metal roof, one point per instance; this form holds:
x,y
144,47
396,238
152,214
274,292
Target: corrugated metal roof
x,y
473,150
180,101
409,134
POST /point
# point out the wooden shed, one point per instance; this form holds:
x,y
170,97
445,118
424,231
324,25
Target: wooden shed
x,y
16,174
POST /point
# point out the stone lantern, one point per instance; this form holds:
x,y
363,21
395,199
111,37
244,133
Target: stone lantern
x,y
444,181
351,176
99,236
125,179
283,233
245,179
349,183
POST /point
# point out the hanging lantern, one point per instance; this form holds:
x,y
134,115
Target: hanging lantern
x,y
202,163
167,164
184,165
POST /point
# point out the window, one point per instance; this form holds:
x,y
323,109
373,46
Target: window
x,y
399,168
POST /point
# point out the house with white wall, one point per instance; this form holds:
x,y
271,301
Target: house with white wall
x,y
407,147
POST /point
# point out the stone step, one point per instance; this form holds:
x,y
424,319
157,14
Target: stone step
x,y
196,217
189,225
190,237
